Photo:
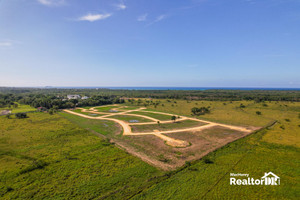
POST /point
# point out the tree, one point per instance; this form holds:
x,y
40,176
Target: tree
x,y
51,111
173,118
21,115
200,111
158,122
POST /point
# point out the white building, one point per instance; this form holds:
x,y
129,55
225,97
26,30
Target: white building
x,y
75,96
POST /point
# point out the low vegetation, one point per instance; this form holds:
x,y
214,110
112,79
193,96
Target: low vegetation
x,y
46,153
166,127
200,111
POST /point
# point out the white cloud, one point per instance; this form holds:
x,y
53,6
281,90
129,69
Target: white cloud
x,y
158,18
94,17
121,6
51,2
5,44
142,18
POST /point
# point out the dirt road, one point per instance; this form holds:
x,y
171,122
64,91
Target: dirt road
x,y
170,141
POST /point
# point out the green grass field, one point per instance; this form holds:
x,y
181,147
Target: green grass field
x,y
55,157
128,118
154,115
106,108
104,127
20,108
86,113
48,157
165,127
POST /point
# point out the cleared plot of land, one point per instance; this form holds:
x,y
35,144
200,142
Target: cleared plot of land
x,y
154,115
201,143
106,108
211,180
166,127
163,132
87,113
125,108
131,119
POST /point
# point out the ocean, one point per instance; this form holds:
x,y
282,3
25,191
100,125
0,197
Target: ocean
x,y
179,88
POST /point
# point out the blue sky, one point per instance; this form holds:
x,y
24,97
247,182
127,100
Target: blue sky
x,y
188,43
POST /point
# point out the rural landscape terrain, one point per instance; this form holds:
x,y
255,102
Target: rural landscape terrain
x,y
150,99
119,144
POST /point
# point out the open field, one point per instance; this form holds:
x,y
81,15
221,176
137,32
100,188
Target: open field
x,y
221,111
129,119
166,126
154,115
20,108
46,153
87,113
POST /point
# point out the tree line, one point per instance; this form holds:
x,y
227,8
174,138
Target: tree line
x,y
53,96
58,102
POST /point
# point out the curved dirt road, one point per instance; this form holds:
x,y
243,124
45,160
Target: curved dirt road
x,y
171,141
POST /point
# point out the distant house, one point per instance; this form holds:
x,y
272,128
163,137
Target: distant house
x,y
85,97
73,96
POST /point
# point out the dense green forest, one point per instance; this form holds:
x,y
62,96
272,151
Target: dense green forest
x,y
49,97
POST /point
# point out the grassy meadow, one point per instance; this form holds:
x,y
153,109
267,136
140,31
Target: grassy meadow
x,y
153,115
20,108
128,118
48,157
165,127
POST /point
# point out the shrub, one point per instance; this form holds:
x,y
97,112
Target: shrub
x,y
258,112
208,161
173,118
287,120
242,106
162,158
188,163
21,115
200,111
